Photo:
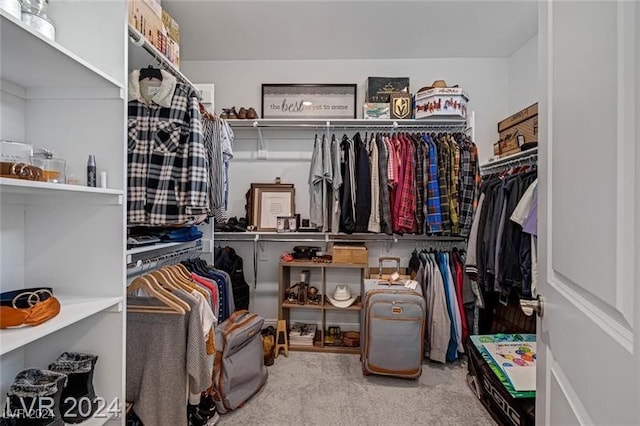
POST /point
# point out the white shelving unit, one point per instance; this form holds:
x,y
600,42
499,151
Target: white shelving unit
x,y
142,53
68,96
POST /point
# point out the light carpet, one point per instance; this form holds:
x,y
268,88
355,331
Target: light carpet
x,y
330,389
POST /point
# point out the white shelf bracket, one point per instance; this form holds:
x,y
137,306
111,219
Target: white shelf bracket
x,y
390,244
472,125
262,152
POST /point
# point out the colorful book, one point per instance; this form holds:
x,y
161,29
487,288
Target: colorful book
x,y
518,362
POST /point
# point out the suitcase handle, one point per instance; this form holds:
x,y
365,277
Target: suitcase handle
x,y
237,315
382,259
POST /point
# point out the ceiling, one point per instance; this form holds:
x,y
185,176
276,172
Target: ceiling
x,y
323,29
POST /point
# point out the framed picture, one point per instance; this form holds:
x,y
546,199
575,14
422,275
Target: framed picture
x,y
286,224
270,201
317,101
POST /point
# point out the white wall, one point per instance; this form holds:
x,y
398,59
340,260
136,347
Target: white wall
x,y
238,83
523,76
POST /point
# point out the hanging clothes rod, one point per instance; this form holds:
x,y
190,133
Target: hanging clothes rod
x,y
138,40
457,125
142,266
530,159
323,237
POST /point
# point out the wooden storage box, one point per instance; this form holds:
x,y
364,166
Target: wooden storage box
x,y
523,123
350,253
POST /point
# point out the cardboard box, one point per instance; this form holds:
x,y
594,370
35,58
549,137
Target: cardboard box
x,y
441,102
173,52
509,152
378,89
350,253
376,111
172,27
508,145
523,125
496,149
401,106
146,17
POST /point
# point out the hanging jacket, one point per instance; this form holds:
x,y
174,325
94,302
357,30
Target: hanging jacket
x,y
347,213
363,184
167,175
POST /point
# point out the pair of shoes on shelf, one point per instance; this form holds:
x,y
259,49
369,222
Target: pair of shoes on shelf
x,y
269,345
248,114
233,224
242,114
63,393
229,114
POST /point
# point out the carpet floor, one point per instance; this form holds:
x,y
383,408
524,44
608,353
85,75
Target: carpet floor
x,y
330,389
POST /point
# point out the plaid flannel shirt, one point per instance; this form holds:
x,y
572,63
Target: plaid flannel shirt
x,y
443,173
452,183
167,173
468,188
419,188
385,203
434,214
405,202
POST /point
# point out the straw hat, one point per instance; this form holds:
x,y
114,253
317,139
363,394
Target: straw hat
x,y
342,297
437,84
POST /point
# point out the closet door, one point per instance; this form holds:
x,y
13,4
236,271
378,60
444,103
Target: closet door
x,y
589,213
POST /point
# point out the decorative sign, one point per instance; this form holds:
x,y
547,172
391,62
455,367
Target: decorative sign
x,y
323,101
400,105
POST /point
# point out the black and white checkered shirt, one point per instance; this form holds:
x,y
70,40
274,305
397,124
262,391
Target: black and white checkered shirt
x,y
167,172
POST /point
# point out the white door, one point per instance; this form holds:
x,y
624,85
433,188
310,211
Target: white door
x,y
589,213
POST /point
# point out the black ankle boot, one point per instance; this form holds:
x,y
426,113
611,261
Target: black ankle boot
x,y
78,397
34,398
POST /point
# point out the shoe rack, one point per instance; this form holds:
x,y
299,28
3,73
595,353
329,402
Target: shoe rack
x,y
320,278
68,95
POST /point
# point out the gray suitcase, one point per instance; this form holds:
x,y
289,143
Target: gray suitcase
x,y
392,327
238,369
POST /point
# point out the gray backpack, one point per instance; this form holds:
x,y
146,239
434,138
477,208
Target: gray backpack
x,y
238,368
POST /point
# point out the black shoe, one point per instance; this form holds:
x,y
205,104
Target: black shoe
x,y
78,397
39,390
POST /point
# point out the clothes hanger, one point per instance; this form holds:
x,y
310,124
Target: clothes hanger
x,y
184,280
167,292
150,72
171,306
165,277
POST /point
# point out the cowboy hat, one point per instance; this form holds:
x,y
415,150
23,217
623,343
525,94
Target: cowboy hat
x,y
342,297
437,84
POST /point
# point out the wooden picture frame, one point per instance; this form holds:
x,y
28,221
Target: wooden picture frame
x,y
310,101
268,201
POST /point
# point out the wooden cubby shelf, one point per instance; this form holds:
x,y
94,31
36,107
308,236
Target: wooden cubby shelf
x,y
285,307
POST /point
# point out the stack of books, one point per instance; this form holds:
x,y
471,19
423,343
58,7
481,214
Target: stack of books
x,y
302,334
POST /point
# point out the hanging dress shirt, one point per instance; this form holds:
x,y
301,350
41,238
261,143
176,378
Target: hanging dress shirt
x,y
316,174
434,215
347,192
443,170
363,184
383,168
336,184
419,182
374,216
